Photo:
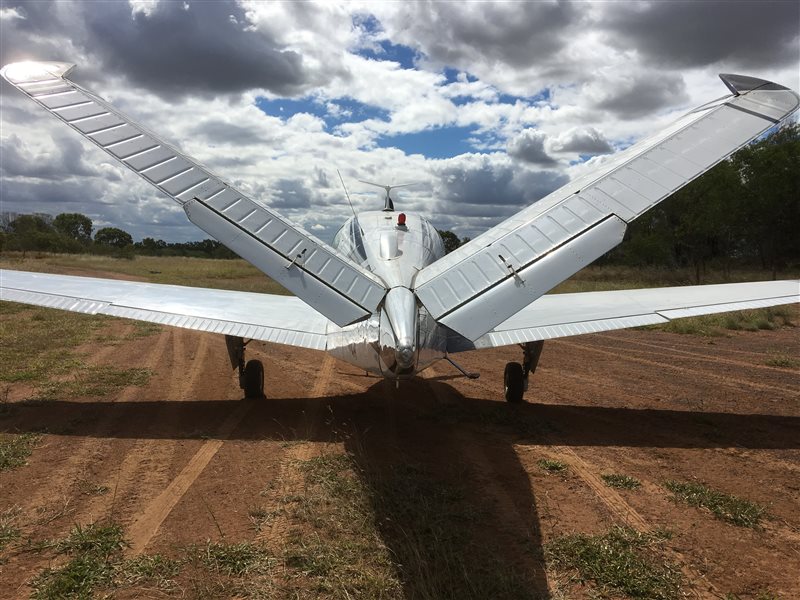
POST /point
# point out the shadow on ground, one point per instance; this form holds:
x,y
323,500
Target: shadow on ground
x,y
451,499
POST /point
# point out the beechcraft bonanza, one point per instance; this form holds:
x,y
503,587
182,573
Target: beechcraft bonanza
x,y
384,297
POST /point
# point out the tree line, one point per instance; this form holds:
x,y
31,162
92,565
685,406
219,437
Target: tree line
x,y
71,233
743,212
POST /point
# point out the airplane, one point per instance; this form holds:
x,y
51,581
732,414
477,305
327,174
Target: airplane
x,y
384,296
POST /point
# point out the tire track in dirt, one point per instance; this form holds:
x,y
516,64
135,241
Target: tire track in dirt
x,y
289,479
628,515
725,380
657,348
145,527
95,443
148,464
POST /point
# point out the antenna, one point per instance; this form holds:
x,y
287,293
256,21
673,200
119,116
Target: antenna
x,y
349,201
388,204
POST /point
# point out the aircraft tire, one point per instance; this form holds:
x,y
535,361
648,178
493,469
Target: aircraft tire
x,y
254,379
513,382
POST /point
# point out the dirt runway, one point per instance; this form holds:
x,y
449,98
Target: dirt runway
x,y
184,460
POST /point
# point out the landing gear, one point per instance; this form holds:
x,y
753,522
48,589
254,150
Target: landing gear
x,y
253,379
515,378
513,382
251,374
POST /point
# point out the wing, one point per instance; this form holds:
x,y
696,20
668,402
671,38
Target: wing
x,y
337,287
280,319
483,283
562,315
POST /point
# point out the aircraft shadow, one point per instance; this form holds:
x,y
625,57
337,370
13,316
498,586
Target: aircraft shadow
x,y
286,419
452,502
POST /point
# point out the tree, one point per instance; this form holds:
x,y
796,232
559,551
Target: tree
x,y
75,226
450,240
113,236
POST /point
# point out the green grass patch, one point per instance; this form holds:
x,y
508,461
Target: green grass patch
x,y
233,560
94,550
725,507
719,324
783,361
551,465
8,527
16,448
620,561
151,569
94,381
621,482
36,342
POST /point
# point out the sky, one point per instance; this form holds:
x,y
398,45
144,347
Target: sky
x,y
485,106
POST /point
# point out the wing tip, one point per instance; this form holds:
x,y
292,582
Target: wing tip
x,y
31,70
739,84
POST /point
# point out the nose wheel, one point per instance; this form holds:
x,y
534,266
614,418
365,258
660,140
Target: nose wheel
x,y
515,376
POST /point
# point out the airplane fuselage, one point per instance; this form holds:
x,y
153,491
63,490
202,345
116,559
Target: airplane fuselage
x,y
400,338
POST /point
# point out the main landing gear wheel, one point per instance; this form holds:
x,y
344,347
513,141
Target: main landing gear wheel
x,y
514,382
253,377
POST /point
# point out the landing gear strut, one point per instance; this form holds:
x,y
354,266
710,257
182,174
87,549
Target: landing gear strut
x,y
515,377
251,373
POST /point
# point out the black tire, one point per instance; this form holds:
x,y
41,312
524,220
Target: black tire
x,y
254,379
513,382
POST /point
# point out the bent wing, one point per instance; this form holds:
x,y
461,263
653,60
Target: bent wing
x,y
562,315
483,283
267,317
332,284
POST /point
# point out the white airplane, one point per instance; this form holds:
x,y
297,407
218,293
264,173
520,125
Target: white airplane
x,y
385,297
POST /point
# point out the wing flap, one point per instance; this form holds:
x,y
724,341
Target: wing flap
x,y
562,315
332,284
270,318
630,184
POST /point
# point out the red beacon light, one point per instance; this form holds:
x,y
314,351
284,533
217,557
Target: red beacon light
x,y
401,220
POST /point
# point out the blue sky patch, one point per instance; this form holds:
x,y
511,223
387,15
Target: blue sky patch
x,y
442,142
347,110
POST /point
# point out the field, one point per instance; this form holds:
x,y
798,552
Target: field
x,y
651,463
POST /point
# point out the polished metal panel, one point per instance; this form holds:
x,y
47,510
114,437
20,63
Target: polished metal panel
x,y
337,287
629,184
472,319
281,319
560,315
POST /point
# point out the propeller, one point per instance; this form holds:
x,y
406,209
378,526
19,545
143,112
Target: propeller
x,y
389,205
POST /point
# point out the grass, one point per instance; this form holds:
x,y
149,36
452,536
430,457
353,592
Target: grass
x,y
16,448
40,347
94,552
746,320
620,561
194,272
233,560
725,507
783,361
551,466
621,482
8,527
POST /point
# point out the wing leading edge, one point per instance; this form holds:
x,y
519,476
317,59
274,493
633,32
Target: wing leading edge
x,y
483,283
329,282
563,315
266,317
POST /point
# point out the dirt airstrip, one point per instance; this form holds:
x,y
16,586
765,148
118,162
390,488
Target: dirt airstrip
x,y
183,460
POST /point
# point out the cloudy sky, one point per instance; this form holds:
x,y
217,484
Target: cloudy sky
x,y
487,106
